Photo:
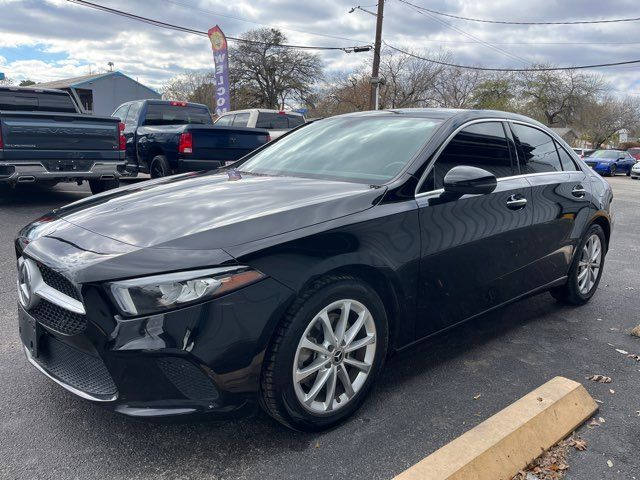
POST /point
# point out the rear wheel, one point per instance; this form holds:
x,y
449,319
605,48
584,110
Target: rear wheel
x,y
586,270
99,186
160,167
325,355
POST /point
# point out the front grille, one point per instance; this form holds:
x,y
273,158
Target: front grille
x,y
57,281
59,319
80,370
188,379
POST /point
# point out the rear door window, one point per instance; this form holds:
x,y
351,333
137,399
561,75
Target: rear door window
x,y
36,101
536,150
225,121
483,145
121,112
241,120
132,116
566,160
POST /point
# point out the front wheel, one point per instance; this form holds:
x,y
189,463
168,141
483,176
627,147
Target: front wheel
x,y
99,186
613,169
325,355
586,270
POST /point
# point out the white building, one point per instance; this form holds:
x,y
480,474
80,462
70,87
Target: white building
x,y
102,93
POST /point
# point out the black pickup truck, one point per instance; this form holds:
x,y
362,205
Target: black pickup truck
x,y
44,139
164,137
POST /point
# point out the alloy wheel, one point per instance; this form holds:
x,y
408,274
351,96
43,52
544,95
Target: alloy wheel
x,y
589,264
334,356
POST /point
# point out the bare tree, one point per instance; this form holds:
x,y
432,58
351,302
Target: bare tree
x,y
410,82
601,119
6,82
198,87
454,87
269,75
554,97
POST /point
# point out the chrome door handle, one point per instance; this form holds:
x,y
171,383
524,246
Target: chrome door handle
x,y
516,202
578,191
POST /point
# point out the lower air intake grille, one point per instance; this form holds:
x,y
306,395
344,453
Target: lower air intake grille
x,y
80,370
59,319
188,378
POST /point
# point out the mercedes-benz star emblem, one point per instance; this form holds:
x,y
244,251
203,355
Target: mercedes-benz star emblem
x,y
25,284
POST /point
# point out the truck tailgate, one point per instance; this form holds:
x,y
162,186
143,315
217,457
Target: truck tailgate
x,y
58,131
225,143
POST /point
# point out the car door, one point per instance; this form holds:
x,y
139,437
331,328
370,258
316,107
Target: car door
x,y
130,126
471,251
561,200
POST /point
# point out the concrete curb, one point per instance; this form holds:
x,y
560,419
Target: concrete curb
x,y
511,439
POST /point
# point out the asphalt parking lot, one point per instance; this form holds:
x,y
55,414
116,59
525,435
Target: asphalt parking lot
x,y
424,398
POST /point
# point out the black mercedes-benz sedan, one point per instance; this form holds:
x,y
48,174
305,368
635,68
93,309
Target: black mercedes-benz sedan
x,y
285,279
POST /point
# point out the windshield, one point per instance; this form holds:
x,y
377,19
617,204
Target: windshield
x,y
357,149
611,154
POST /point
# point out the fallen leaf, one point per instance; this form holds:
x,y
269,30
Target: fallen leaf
x,y
601,420
634,356
638,412
614,329
578,444
610,463
636,331
317,445
594,423
598,401
623,352
599,378
477,396
612,391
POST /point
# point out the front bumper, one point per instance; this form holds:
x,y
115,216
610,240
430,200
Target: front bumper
x,y
204,359
27,172
601,169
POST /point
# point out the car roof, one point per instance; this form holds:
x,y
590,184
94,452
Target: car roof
x,y
261,110
446,114
33,89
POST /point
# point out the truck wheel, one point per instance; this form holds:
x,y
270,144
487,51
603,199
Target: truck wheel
x,y
159,167
99,186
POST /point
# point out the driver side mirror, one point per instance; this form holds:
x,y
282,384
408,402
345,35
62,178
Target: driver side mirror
x,y
465,180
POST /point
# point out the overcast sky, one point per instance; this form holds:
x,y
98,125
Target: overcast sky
x,y
45,40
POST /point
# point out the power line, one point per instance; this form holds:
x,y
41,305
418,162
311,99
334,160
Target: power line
x,y
459,30
204,10
504,22
179,28
491,69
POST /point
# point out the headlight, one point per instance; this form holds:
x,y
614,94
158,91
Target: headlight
x,y
142,296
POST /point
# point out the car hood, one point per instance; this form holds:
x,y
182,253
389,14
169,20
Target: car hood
x,y
215,210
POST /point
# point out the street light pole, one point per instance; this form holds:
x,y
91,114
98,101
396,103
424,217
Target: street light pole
x,y
373,97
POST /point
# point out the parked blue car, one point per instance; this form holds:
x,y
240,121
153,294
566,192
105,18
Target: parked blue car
x,y
611,162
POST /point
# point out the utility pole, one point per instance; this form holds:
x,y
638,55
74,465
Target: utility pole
x,y
375,71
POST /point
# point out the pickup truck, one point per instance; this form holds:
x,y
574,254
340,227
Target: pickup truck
x,y
164,137
277,122
45,140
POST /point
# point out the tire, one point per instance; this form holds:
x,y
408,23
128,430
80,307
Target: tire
x,y
159,167
282,397
629,172
99,186
572,293
612,170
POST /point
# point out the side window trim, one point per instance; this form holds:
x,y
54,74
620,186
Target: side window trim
x,y
555,142
434,158
449,139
